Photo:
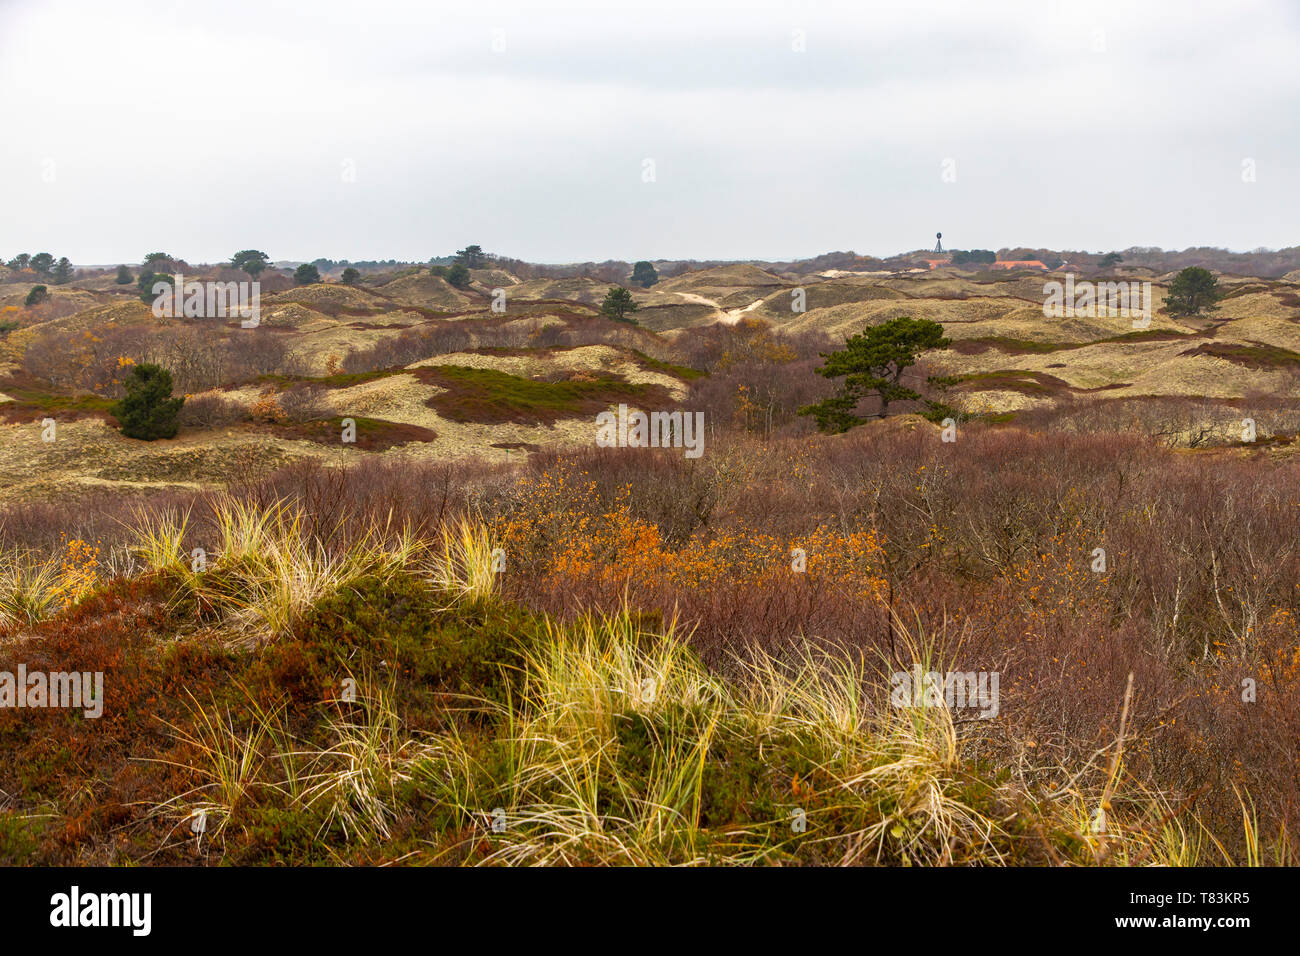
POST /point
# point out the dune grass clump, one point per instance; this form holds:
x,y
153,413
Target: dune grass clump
x,y
607,740
267,569
619,747
227,760
271,571
625,749
466,562
160,538
359,784
28,590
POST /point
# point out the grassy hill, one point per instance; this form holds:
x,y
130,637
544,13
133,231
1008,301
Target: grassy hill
x,y
1006,357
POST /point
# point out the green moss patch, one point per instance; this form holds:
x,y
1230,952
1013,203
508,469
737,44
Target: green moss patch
x,y
488,396
373,434
1251,356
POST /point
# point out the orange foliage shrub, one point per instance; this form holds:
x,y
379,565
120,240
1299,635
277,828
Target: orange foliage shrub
x,y
266,409
569,543
78,572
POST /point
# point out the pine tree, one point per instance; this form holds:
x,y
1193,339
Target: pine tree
x,y
472,257
618,305
148,411
872,363
251,261
1193,291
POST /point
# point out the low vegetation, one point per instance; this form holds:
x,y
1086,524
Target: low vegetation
x,y
613,658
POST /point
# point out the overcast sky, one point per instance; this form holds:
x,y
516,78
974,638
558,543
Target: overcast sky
x,y
772,130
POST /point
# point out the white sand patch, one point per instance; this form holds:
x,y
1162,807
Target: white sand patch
x,y
735,315
594,359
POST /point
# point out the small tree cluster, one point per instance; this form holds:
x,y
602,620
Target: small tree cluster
x,y
43,264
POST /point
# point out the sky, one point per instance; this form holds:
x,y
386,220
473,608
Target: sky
x,y
570,132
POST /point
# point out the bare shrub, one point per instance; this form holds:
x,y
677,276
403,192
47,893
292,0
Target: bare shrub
x,y
307,404
211,411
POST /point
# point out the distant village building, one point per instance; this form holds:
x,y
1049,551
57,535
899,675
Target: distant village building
x,y
1018,264
936,263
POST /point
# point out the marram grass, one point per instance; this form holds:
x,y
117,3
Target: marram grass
x,y
265,570
466,561
28,590
621,748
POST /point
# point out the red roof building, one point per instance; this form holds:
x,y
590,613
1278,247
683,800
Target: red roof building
x,y
1019,264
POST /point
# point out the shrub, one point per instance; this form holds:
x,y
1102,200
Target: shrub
x,y
38,295
146,282
266,409
307,404
211,411
458,276
644,274
486,395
